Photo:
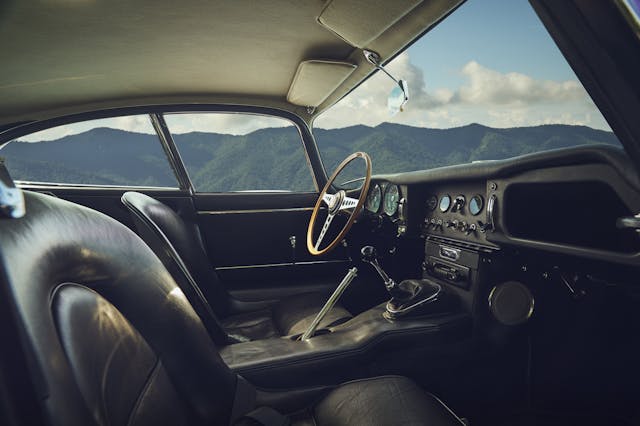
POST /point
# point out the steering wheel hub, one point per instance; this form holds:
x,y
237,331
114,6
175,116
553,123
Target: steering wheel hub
x,y
336,202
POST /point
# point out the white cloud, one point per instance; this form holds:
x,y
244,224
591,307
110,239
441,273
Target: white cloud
x,y
487,97
227,123
486,86
236,124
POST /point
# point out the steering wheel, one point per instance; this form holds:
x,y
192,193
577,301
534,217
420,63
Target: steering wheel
x,y
336,203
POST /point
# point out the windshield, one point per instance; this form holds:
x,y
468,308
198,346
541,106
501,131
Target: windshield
x,y
487,83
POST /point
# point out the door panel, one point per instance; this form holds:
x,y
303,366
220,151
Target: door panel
x,y
248,239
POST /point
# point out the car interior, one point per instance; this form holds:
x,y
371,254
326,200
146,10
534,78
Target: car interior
x,y
494,292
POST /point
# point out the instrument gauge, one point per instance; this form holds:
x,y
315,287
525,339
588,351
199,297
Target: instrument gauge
x,y
445,203
475,204
391,199
432,202
458,203
374,199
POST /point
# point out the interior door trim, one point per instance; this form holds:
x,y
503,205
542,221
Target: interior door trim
x,y
293,209
275,265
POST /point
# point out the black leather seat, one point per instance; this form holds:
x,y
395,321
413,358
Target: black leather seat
x,y
112,340
178,245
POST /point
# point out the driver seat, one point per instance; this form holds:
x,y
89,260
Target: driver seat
x,y
228,319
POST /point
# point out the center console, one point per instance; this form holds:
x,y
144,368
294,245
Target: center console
x,y
421,315
346,351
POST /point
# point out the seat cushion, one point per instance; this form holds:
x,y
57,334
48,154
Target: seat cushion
x,y
294,314
388,400
291,315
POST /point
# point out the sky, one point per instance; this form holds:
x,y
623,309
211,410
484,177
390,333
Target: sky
x,y
490,62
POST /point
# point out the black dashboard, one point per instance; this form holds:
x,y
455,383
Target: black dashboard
x,y
566,201
549,216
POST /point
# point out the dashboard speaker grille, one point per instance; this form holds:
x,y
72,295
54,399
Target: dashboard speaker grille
x,y
511,303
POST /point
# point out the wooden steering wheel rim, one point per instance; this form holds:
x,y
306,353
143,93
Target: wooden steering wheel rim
x,y
356,210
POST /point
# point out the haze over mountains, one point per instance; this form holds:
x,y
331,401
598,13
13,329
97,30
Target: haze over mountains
x,y
273,158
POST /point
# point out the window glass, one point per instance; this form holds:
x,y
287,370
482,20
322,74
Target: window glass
x,y
118,151
225,152
487,83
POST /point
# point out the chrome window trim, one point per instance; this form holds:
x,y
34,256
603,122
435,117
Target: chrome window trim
x,y
275,265
54,185
217,212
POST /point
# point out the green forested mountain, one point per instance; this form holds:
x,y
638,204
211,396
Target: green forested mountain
x,y
273,158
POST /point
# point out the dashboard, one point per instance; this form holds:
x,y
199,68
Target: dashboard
x,y
558,215
568,201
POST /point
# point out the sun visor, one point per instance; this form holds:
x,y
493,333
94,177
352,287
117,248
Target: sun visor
x,y
359,22
315,80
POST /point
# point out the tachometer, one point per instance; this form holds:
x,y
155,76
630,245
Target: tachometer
x,y
391,199
432,202
373,199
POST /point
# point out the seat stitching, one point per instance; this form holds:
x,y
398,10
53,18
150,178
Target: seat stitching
x,y
143,391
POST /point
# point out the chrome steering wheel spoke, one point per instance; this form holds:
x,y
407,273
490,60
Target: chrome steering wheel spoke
x,y
324,229
348,203
328,198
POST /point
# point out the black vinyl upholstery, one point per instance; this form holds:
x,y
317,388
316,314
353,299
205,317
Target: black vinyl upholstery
x,y
387,400
112,339
177,244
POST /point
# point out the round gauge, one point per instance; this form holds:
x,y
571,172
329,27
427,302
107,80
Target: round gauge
x,y
458,203
445,203
391,198
373,199
475,204
432,202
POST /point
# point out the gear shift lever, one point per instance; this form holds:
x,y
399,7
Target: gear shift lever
x,y
369,255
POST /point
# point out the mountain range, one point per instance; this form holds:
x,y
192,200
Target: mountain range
x,y
272,158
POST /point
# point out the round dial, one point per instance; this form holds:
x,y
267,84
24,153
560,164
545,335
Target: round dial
x,y
475,204
391,198
373,199
445,203
432,202
458,203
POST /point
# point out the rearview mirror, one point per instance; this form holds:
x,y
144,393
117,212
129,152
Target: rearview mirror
x,y
398,97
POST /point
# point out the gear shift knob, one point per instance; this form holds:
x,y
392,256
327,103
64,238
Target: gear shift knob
x,y
368,254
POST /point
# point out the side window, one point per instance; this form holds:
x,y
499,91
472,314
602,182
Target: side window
x,y
227,152
117,151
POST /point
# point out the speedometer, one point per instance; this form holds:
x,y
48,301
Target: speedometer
x,y
391,199
373,199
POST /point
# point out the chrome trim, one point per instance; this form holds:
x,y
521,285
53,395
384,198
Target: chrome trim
x,y
274,265
491,204
46,185
395,312
11,198
449,253
216,212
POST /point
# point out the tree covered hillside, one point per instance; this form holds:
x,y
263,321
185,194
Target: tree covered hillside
x,y
272,158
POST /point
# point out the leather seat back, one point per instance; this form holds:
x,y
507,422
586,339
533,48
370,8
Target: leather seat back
x,y
178,246
89,293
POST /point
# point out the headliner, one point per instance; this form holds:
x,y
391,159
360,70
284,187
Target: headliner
x,y
71,56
